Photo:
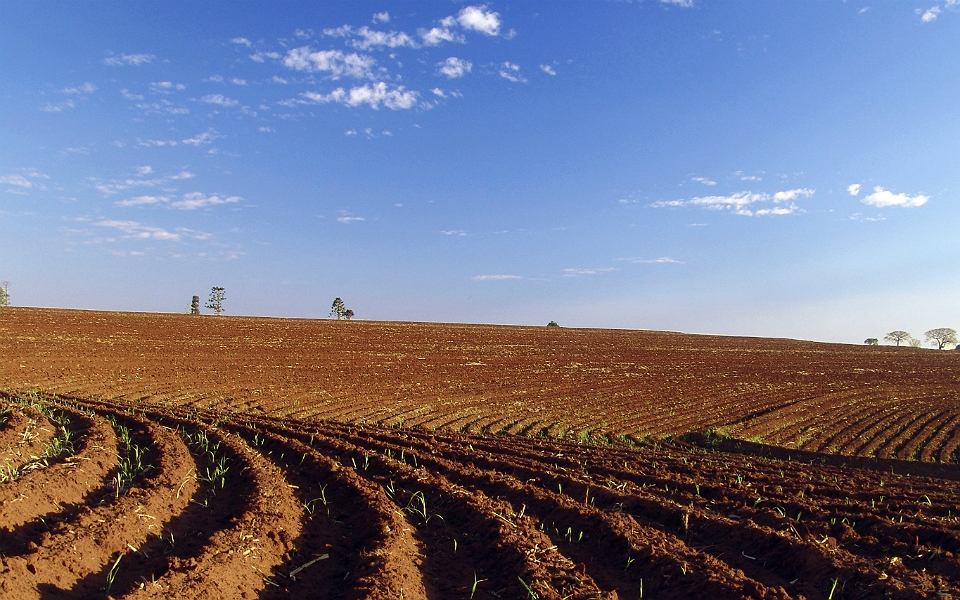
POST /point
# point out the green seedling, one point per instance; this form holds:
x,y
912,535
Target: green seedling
x,y
925,500
629,562
418,505
833,589
532,595
473,589
112,573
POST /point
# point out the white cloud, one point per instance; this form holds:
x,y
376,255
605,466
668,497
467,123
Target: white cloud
x,y
454,67
142,200
138,231
579,272
381,17
703,180
750,178
792,194
882,198
365,38
511,72
455,232
263,56
739,202
86,88
661,260
117,185
931,14
195,200
266,130
145,170
220,100
494,277
438,92
59,107
130,96
863,10
129,59
163,107
215,78
241,41
437,35
348,219
238,81
548,69
350,132
853,189
334,62
18,180
477,18
372,95
207,137
681,3
165,87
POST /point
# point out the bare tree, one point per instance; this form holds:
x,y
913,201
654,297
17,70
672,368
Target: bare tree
x,y
339,309
941,336
5,293
915,343
215,303
897,337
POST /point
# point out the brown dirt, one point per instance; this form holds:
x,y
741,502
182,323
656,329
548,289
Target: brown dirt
x,y
361,460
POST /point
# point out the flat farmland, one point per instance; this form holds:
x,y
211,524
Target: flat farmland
x,y
170,455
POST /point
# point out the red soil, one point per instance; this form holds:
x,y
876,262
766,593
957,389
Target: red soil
x,y
286,458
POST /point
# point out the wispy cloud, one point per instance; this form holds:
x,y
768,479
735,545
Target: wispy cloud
x,y
219,100
136,230
165,87
129,59
242,41
495,277
511,72
740,202
882,198
681,3
548,69
381,17
703,180
84,89
333,62
201,139
652,261
454,67
396,98
364,38
455,232
117,185
195,200
853,189
142,201
930,14
581,272
437,35
58,107
349,219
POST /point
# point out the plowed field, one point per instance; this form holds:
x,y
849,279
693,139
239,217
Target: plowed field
x,y
199,457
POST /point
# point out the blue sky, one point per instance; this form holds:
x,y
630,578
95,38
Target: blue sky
x,y
758,168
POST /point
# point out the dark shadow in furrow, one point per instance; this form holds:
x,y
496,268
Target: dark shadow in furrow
x,y
898,446
342,523
185,536
19,541
605,546
787,560
448,568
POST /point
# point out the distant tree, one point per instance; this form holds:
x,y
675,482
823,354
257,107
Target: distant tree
x,y
871,341
215,302
897,337
339,309
915,343
348,315
552,324
5,293
195,305
941,336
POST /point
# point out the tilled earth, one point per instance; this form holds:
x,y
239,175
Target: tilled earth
x,y
173,456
